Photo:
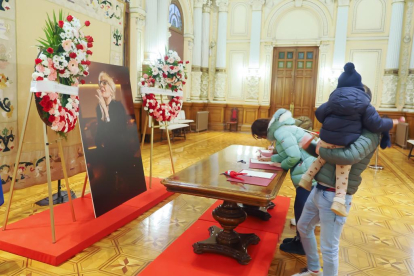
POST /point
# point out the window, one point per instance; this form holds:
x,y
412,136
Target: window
x,y
175,17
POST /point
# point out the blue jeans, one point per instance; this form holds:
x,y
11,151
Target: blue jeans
x,y
300,200
318,208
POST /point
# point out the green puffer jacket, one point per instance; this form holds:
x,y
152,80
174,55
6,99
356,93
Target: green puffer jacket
x,y
357,154
292,157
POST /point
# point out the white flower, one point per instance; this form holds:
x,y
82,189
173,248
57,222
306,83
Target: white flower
x,y
69,106
47,71
155,71
171,60
63,35
145,108
35,75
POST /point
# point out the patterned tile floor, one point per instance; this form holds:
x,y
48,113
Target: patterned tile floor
x,y
378,238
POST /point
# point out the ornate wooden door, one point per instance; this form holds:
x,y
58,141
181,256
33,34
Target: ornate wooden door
x,y
294,78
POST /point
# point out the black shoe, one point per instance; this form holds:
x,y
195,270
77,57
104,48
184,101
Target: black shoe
x,y
294,247
288,240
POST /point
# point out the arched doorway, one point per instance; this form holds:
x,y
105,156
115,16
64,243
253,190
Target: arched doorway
x,y
176,41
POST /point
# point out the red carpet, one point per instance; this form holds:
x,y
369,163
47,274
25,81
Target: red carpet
x,y
31,237
179,258
274,225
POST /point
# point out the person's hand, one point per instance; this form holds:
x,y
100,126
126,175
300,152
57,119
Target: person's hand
x,y
264,159
271,147
102,103
276,164
318,145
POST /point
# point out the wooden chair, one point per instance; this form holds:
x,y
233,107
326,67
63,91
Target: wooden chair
x,y
234,119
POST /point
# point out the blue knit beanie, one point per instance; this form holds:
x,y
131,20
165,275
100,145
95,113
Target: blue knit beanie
x,y
350,77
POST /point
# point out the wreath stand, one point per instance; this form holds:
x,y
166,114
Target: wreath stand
x,y
161,93
38,87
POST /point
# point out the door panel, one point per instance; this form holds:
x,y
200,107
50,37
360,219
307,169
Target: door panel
x,y
294,80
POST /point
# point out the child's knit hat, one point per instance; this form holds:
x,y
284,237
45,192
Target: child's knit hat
x,y
350,77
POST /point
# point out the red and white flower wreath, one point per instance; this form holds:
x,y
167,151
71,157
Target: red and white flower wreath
x,y
63,59
169,74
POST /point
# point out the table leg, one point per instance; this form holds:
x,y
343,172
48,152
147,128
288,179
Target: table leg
x,y
258,212
411,150
226,241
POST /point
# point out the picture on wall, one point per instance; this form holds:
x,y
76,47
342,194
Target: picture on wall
x,y
110,137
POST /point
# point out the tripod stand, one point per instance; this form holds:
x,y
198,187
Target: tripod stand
x,y
58,198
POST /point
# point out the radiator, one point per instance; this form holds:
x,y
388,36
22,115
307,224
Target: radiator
x,y
202,120
401,135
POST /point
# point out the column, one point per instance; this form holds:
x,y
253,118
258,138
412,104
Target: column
x,y
162,27
340,35
196,72
390,80
151,24
221,75
253,77
138,14
409,94
205,52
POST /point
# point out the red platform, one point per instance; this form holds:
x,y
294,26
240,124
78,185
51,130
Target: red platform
x,y
31,237
179,258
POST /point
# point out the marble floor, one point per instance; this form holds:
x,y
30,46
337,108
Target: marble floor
x,y
378,238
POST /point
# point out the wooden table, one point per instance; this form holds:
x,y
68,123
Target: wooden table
x,y
204,179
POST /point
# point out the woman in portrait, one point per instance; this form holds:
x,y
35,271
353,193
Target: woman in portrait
x,y
110,139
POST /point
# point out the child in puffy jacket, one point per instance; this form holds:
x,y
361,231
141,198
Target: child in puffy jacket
x,y
343,117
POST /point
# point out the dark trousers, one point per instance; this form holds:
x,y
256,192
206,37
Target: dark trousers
x,y
300,200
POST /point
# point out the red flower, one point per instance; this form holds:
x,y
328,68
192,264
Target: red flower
x,y
172,67
82,81
38,94
89,52
183,82
83,62
87,23
88,62
89,38
72,55
143,82
38,60
153,80
85,73
187,62
164,76
39,78
169,85
79,47
61,24
69,18
51,118
49,50
166,57
62,71
180,62
90,44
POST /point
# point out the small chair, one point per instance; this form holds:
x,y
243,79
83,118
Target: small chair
x,y
234,119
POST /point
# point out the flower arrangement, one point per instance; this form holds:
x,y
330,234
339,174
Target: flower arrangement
x,y
64,59
4,81
167,73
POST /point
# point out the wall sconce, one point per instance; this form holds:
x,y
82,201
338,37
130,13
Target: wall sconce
x,y
212,45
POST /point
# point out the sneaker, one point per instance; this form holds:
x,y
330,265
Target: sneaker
x,y
307,272
293,221
294,247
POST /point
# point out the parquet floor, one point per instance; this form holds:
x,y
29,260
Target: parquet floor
x,y
378,238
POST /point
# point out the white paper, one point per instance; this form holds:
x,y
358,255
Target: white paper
x,y
255,161
266,151
258,174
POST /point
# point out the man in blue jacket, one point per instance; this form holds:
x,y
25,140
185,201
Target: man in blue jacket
x,y
318,204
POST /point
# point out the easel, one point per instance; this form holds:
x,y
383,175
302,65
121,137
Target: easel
x,y
38,87
161,93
